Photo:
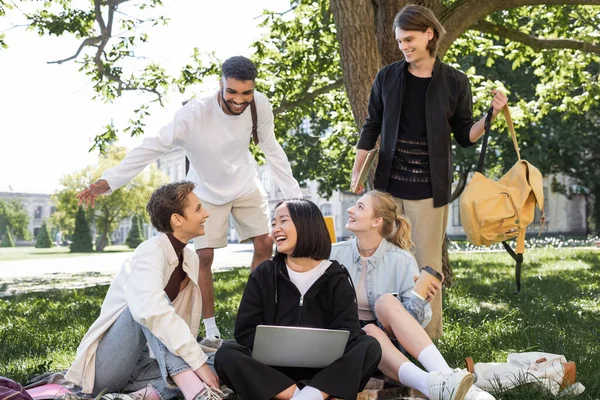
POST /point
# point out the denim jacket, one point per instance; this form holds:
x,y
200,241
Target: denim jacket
x,y
389,270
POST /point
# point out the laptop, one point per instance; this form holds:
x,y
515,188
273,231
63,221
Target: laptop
x,y
292,346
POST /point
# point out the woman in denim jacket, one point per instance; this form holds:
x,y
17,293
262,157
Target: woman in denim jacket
x,y
384,271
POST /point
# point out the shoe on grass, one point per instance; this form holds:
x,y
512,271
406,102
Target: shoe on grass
x,y
452,385
476,393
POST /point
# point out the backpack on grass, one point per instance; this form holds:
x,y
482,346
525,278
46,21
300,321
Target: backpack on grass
x,y
496,211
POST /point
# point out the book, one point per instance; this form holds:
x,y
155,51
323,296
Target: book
x,y
365,169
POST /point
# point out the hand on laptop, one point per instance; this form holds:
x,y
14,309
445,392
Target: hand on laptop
x,y
208,376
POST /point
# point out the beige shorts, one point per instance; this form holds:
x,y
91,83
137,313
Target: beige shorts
x,y
250,217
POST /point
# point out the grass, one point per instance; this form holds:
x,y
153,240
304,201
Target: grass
x,y
31,253
558,311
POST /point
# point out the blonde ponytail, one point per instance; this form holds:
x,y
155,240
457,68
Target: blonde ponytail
x,y
395,228
401,237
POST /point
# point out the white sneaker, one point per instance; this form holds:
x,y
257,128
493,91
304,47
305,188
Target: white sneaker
x,y
452,385
475,393
210,393
118,396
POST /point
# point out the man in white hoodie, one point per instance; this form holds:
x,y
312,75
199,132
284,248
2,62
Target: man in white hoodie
x,y
215,131
153,301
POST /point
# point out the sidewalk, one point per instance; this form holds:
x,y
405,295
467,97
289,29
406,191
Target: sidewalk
x,y
72,272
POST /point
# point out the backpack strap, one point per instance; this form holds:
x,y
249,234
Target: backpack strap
x,y
488,124
254,121
254,132
518,257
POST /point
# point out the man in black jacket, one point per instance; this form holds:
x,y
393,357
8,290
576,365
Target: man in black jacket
x,y
415,105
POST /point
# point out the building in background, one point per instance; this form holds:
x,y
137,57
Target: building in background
x,y
39,207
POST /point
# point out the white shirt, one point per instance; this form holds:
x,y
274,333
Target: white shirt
x,y
216,144
304,280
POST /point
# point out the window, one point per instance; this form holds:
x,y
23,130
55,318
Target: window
x,y
326,209
538,214
37,214
456,212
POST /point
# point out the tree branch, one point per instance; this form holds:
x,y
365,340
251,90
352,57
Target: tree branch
x,y
465,13
536,43
309,97
87,42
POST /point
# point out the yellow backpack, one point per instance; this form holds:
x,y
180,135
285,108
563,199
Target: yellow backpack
x,y
496,211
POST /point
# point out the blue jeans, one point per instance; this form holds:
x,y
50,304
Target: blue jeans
x,y
123,362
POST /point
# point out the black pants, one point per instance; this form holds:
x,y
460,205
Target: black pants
x,y
344,378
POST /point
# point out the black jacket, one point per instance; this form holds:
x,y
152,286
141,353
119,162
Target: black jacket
x,y
449,109
270,298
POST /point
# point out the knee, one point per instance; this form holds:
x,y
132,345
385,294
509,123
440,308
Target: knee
x,y
371,330
226,353
386,302
373,347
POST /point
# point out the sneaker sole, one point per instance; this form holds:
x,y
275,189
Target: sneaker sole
x,y
464,387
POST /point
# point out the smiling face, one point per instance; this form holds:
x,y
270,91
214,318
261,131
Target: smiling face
x,y
413,44
283,231
361,217
236,95
191,223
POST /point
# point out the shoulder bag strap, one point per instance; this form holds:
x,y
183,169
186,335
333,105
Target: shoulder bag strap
x,y
254,122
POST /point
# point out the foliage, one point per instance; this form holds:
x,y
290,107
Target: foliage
x,y
7,239
81,241
545,56
43,239
108,210
135,236
15,217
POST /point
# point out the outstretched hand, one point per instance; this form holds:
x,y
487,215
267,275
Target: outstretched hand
x,y
88,195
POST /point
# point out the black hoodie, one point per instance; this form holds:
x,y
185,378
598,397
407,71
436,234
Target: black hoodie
x,y
270,298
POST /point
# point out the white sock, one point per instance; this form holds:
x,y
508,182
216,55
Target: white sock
x,y
412,376
308,393
432,360
210,326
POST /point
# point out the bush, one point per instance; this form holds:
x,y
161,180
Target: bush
x,y
82,237
43,240
7,240
135,236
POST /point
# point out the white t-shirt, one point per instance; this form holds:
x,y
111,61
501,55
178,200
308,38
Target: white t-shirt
x,y
304,280
364,310
216,144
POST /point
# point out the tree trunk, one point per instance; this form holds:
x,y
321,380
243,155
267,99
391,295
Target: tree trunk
x,y
102,242
446,267
386,11
358,51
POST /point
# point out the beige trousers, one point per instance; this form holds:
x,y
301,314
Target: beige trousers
x,y
428,229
